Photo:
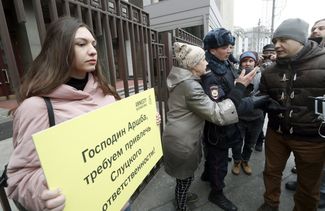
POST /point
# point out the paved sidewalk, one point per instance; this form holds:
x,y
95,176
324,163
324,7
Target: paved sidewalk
x,y
245,191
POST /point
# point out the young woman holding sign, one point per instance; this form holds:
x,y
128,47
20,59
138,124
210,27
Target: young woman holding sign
x,y
68,72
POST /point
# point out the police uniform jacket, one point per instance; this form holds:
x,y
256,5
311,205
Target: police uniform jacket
x,y
222,78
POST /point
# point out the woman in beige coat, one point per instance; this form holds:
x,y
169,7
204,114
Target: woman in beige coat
x,y
189,107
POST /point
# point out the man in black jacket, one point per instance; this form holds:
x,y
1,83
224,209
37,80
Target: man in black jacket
x,y
318,35
297,75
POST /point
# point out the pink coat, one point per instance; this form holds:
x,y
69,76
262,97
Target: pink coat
x,y
25,175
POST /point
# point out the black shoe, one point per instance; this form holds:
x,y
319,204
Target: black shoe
x,y
294,170
321,204
259,147
221,201
267,207
291,185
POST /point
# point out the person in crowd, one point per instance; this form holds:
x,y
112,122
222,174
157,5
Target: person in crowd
x,y
218,139
318,32
235,63
250,123
297,75
318,35
67,70
189,106
233,60
267,58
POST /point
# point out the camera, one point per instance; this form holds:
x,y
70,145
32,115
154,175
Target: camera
x,y
320,111
266,56
320,107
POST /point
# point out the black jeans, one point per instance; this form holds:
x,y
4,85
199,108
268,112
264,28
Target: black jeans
x,y
249,130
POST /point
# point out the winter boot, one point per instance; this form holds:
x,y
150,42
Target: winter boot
x,y
236,168
246,167
221,201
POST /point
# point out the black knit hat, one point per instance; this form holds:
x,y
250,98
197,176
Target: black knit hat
x,y
268,47
217,38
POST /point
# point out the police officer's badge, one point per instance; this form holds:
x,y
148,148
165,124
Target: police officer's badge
x,y
214,92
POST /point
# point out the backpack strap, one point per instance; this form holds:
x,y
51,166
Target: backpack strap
x,y
50,111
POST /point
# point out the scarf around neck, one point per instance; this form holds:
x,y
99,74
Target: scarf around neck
x,y
217,66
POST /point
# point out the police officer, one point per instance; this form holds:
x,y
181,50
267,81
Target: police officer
x,y
217,139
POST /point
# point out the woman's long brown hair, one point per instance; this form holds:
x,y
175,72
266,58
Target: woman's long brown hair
x,y
52,67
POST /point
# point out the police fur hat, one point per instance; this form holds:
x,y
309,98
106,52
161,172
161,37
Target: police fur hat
x,y
217,38
188,56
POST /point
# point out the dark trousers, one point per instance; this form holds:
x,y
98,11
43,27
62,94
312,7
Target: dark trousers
x,y
309,158
260,138
249,130
216,166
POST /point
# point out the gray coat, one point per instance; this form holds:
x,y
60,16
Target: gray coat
x,y
189,106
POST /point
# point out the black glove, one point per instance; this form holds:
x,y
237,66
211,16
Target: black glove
x,y
260,101
275,107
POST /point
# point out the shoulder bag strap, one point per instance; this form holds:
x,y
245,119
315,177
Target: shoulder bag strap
x,y
50,111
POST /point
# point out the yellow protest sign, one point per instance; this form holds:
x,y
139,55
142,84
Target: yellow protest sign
x,y
100,158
